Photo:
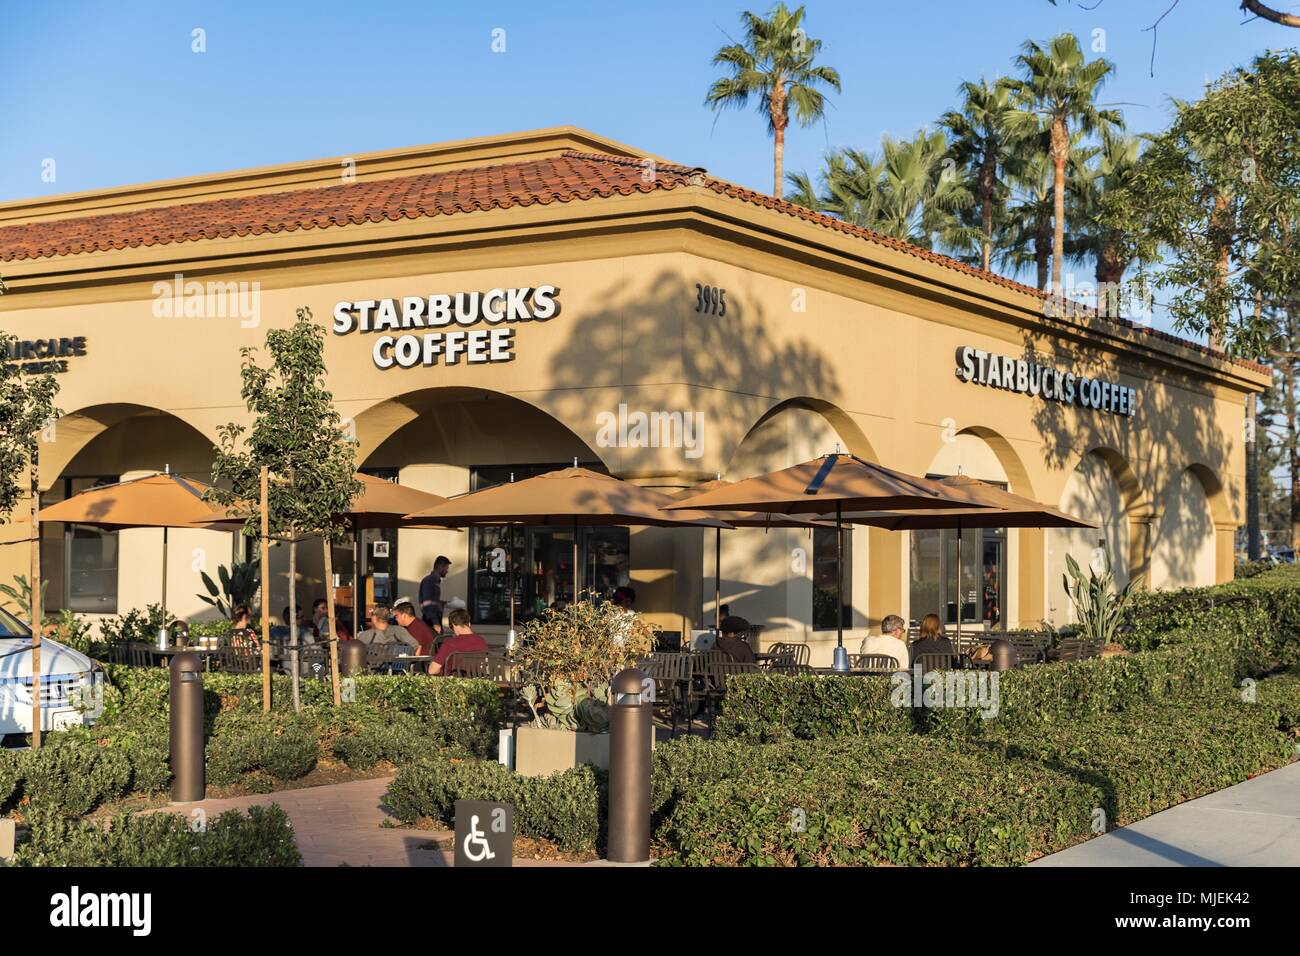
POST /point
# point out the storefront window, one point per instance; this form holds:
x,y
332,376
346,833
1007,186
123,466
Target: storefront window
x,y
78,562
934,575
538,560
826,596
377,549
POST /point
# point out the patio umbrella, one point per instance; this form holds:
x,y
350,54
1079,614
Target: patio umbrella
x,y
154,501
739,519
570,497
991,507
838,481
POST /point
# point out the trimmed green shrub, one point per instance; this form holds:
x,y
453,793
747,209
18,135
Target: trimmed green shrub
x,y
397,737
1153,757
73,778
767,708
260,750
1280,692
564,807
898,799
262,837
10,777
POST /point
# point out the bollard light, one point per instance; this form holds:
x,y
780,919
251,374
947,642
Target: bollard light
x,y
630,738
1004,655
352,658
841,659
185,701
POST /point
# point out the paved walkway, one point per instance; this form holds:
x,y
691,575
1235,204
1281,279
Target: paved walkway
x,y
1256,823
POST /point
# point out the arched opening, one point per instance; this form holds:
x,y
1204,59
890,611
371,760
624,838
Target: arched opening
x,y
1184,553
785,579
450,441
1101,489
991,559
82,565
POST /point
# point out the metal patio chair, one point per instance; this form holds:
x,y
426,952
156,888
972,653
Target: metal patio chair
x,y
874,664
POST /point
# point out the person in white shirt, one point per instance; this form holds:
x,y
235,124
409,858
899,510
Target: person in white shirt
x,y
892,641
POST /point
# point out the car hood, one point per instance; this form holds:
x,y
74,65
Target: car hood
x,y
56,658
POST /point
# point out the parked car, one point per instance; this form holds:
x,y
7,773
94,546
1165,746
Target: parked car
x,y
69,681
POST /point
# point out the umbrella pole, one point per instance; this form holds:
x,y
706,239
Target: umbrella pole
x,y
162,630
958,646
717,580
839,577
575,564
510,585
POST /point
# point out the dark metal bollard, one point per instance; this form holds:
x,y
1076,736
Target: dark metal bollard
x,y
1004,655
352,658
186,705
630,738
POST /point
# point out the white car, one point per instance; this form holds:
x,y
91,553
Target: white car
x,y
69,681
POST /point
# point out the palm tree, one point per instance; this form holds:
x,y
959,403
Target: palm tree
x,y
1116,169
775,63
1025,234
1060,86
984,142
906,192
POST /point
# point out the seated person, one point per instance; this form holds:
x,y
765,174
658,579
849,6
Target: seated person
x,y
384,631
892,641
462,640
241,635
932,640
404,615
732,640
281,632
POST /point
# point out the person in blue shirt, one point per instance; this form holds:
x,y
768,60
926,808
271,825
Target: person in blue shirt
x,y
431,604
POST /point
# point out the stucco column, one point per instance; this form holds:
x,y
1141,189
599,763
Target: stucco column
x,y
1141,532
1033,568
1225,551
888,575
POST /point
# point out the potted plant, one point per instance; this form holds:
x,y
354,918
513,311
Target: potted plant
x,y
1098,604
567,659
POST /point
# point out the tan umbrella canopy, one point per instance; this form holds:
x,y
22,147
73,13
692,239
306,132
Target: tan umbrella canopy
x,y
991,507
570,497
837,482
740,519
154,501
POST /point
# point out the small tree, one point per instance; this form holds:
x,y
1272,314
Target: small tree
x,y
26,407
297,435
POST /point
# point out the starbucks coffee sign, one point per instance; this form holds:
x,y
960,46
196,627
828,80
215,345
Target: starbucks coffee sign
x,y
474,327
1043,381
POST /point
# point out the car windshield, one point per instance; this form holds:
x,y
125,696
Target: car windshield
x,y
10,626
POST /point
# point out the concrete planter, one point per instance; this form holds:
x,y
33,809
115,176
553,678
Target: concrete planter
x,y
539,751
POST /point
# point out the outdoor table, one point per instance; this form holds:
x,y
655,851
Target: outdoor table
x,y
207,653
405,660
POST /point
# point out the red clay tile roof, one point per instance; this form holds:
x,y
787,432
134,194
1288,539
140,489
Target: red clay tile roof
x,y
571,176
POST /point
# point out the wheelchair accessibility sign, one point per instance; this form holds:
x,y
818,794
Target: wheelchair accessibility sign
x,y
485,833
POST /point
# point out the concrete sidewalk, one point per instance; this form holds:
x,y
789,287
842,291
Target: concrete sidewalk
x,y
1256,823
341,825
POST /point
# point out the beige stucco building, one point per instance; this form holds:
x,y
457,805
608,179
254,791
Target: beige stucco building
x,y
632,314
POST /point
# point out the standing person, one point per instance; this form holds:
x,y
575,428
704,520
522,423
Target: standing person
x,y
404,614
463,640
892,641
431,593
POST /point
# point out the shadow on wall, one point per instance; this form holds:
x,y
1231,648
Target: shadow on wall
x,y
727,373
1160,458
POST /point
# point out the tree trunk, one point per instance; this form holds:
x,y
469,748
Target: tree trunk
x,y
779,120
1221,230
1060,156
333,636
988,173
35,603
1252,482
264,549
293,622
1042,240
1293,450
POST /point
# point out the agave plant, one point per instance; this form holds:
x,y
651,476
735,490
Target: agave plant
x,y
239,585
1098,606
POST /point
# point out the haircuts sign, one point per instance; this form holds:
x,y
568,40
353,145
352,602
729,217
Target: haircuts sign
x,y
1042,381
473,328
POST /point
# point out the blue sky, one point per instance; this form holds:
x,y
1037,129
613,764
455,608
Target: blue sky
x,y
114,94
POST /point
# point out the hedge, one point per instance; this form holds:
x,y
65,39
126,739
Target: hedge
x,y
461,714
769,708
564,807
920,799
262,837
261,750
